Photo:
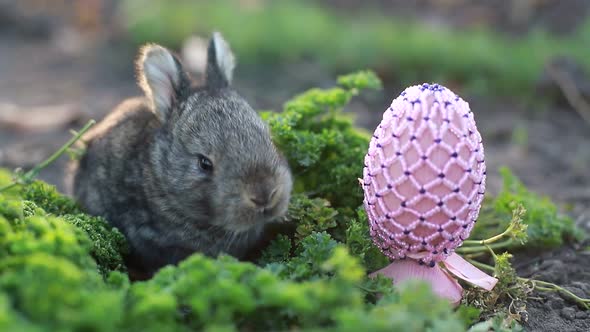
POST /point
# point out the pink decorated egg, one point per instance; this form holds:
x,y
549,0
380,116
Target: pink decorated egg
x,y
424,175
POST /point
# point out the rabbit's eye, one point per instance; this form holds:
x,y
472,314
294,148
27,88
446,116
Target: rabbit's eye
x,y
205,164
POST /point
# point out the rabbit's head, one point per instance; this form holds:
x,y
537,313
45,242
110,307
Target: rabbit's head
x,y
212,161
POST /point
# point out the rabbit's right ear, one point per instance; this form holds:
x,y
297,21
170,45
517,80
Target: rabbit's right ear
x,y
161,77
220,63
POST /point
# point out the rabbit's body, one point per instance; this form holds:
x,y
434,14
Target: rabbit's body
x,y
186,169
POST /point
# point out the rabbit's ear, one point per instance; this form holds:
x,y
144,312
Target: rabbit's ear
x,y
161,77
220,62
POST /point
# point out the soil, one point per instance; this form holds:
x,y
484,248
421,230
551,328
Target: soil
x,y
547,146
567,267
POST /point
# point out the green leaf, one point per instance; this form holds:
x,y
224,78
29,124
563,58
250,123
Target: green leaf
x,y
545,226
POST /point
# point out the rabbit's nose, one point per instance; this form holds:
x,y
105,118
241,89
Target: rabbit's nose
x,y
262,198
259,201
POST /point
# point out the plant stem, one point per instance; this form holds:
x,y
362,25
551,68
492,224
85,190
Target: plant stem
x,y
481,265
8,186
32,174
540,285
548,286
474,255
490,240
484,247
64,148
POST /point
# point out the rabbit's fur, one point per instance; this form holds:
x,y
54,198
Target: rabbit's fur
x,y
144,168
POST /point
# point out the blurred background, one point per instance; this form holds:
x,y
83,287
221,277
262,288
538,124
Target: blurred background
x,y
522,64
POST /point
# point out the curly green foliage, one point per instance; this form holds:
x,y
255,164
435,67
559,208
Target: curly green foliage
x,y
11,320
510,292
306,212
204,294
325,152
499,323
310,215
505,273
469,314
49,280
43,234
47,198
364,79
226,293
279,250
319,257
54,292
108,245
47,272
309,258
358,240
546,227
403,311
322,146
43,195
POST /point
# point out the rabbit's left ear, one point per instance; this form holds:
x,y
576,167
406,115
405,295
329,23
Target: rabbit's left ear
x,y
220,62
162,78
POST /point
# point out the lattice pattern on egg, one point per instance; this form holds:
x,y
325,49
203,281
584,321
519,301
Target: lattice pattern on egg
x,y
424,175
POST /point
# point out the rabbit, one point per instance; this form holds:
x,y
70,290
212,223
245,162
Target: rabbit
x,y
187,168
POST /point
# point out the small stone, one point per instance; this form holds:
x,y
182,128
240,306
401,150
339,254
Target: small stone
x,y
568,313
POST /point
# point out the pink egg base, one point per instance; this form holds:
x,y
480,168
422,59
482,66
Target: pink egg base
x,y
462,269
440,276
440,281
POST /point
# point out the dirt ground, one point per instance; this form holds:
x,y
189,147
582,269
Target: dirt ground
x,y
548,147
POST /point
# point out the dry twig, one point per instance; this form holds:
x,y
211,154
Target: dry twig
x,y
568,87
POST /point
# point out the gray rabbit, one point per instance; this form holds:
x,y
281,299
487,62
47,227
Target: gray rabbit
x,y
186,168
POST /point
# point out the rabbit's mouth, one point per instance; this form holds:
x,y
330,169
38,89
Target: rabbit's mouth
x,y
266,215
256,218
267,209
266,212
274,211
245,225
